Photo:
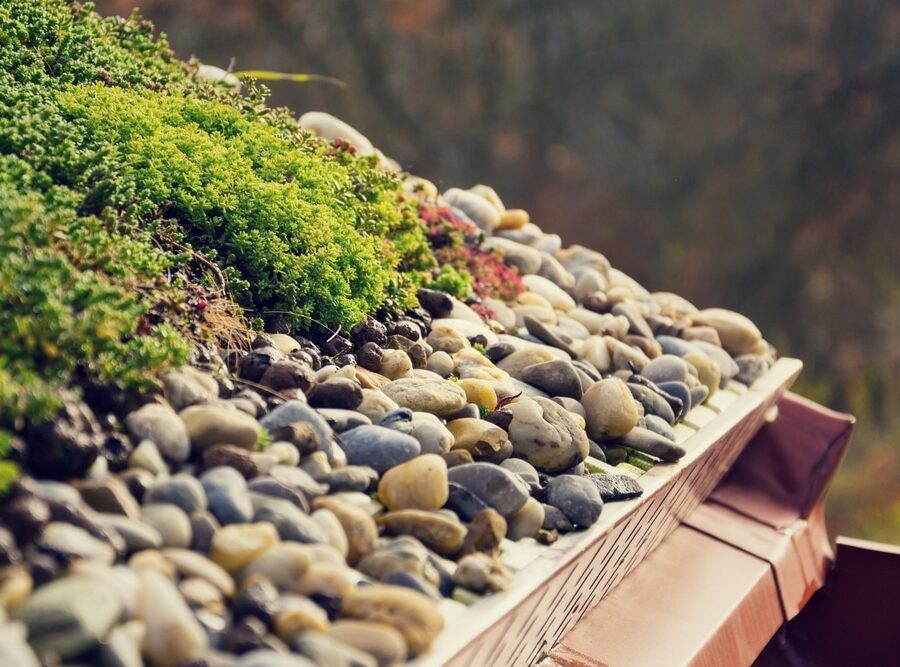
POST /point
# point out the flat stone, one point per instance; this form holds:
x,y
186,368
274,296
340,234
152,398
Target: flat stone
x,y
412,614
439,397
578,498
337,392
379,640
463,502
523,257
209,425
653,403
172,635
436,531
343,420
479,210
429,430
70,615
651,443
109,494
728,367
666,368
497,487
556,378
546,435
659,425
480,438
137,535
616,487
557,297
189,563
738,334
186,386
70,542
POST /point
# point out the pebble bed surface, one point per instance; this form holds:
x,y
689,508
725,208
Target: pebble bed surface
x,y
298,504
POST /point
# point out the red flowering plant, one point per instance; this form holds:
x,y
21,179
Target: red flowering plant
x,y
456,244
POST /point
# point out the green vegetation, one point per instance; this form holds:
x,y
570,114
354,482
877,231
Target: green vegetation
x,y
123,179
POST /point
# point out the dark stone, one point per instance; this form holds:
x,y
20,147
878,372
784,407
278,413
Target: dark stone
x,y
262,340
25,517
457,457
301,435
247,634
337,392
398,420
595,450
653,403
258,402
465,503
555,520
577,498
406,328
499,351
616,455
290,522
253,365
369,331
138,482
343,420
496,486
269,486
350,478
259,598
485,533
66,512
67,445
596,302
369,356
410,580
557,378
297,411
183,490
415,350
501,418
680,391
616,487
345,360
203,528
548,335
289,374
378,447
336,345
44,568
116,449
299,479
648,442
437,303
469,411
104,397
419,316
231,456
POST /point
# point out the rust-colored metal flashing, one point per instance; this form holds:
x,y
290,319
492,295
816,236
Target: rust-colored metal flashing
x,y
741,565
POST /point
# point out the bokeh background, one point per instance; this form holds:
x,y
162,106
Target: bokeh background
x,y
743,154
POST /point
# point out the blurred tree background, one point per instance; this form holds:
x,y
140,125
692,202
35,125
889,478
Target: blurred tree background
x,y
742,154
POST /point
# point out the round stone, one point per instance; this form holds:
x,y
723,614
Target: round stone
x,y
578,498
160,424
235,546
378,447
170,521
556,378
708,371
610,409
172,636
479,392
439,397
666,368
417,484
546,435
738,334
209,425
527,522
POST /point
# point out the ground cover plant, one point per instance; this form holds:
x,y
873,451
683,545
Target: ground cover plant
x,y
130,188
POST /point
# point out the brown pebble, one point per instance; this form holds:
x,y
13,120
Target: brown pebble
x,y
486,532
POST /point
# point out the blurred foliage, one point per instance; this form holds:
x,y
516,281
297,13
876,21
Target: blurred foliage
x,y
742,154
